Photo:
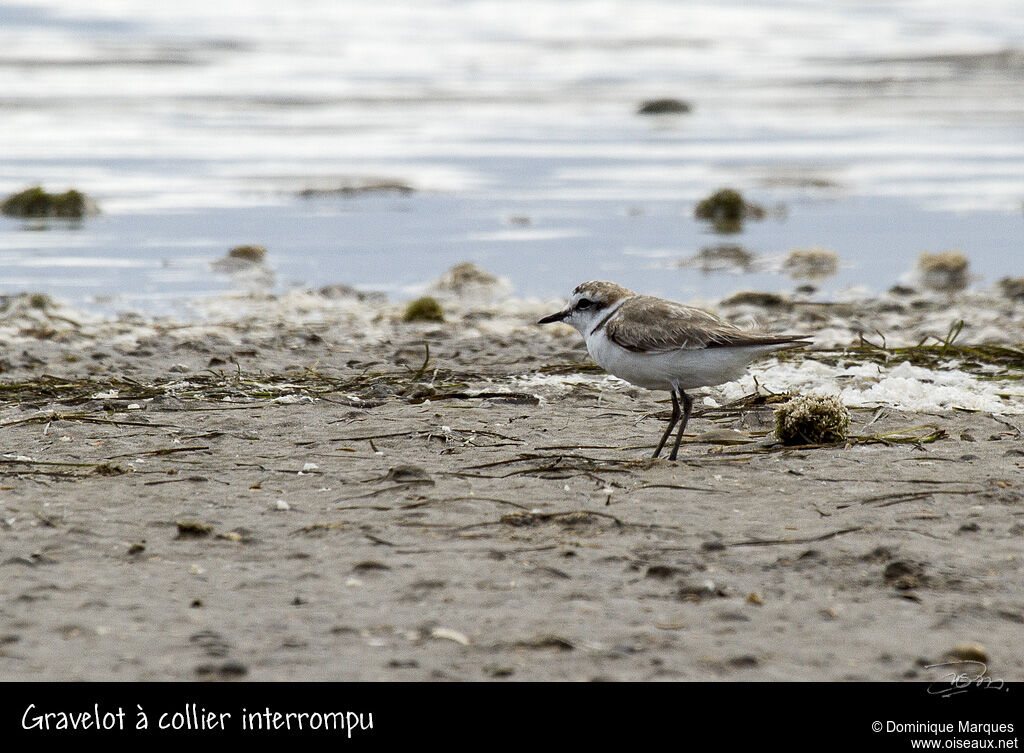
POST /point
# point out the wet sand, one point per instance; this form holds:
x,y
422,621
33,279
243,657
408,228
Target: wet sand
x,y
287,491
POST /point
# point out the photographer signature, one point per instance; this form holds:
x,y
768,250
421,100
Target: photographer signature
x,y
959,680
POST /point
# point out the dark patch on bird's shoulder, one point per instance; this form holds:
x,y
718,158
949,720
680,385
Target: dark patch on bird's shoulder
x,y
604,321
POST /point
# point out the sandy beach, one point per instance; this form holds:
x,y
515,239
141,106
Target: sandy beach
x,y
292,487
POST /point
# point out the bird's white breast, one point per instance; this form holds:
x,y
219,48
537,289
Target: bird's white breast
x,y
681,369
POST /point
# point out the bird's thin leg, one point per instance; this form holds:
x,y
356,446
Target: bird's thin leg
x,y
671,423
687,407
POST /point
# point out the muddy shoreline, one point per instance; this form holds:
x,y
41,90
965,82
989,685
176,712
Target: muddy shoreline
x,y
289,488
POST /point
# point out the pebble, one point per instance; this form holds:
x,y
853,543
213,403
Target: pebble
x,y
451,635
968,651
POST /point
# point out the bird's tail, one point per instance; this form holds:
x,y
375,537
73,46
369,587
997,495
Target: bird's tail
x,y
786,342
778,342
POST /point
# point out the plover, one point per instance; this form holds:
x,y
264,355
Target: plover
x,y
663,345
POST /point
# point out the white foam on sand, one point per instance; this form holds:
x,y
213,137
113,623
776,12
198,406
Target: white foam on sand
x,y
902,386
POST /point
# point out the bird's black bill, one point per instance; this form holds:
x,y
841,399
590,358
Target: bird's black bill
x,y
554,317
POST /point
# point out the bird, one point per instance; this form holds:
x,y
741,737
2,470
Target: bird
x,y
659,344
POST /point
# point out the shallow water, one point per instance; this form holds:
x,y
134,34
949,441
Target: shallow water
x,y
882,129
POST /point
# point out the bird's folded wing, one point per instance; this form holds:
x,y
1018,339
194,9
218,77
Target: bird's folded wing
x,y
645,324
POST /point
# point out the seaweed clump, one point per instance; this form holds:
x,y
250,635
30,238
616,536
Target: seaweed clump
x,y
812,419
726,257
374,186
465,275
1012,288
247,259
424,309
757,300
726,210
944,271
340,291
664,107
193,529
40,301
252,254
811,263
470,282
36,203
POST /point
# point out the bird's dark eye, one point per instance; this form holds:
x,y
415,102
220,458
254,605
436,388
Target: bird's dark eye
x,y
584,303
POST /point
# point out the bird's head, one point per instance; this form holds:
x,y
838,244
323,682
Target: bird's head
x,y
587,302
